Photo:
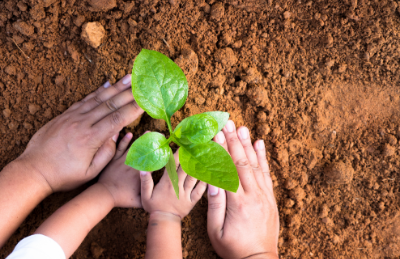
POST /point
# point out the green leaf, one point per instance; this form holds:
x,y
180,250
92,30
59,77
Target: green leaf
x,y
150,152
158,84
173,175
209,162
220,117
196,129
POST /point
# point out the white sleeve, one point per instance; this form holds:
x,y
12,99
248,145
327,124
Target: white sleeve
x,y
37,247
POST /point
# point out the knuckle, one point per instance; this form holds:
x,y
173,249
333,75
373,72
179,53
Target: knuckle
x,y
146,181
97,100
111,105
215,205
135,106
242,162
116,118
232,138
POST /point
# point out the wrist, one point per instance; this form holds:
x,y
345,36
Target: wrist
x,y
162,216
104,193
19,168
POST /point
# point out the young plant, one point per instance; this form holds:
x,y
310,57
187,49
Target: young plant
x,y
160,88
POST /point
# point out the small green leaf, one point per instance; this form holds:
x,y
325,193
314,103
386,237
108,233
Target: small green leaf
x,y
220,117
196,129
209,162
150,152
173,175
158,84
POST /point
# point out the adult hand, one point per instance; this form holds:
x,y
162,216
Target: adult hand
x,y
75,146
244,224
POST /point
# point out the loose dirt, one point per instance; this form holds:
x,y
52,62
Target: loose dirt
x,y
318,80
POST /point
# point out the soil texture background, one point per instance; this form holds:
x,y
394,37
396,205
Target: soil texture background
x,y
318,80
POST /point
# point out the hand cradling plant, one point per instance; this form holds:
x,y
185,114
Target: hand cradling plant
x,y
160,88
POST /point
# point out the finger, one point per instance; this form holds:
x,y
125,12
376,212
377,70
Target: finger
x,y
244,137
216,212
102,157
189,184
165,178
220,139
109,106
259,146
146,185
89,96
239,157
108,93
198,191
115,121
123,144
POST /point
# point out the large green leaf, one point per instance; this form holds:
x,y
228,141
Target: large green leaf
x,y
199,128
209,162
220,117
173,175
158,84
150,152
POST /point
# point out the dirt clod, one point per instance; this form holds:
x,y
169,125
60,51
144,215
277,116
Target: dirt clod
x,y
392,140
79,20
6,113
24,28
11,70
241,87
93,33
47,3
263,129
33,108
217,11
258,96
297,194
96,250
188,62
339,173
315,156
226,57
388,150
102,5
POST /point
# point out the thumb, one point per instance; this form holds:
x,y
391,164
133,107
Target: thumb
x,y
146,185
216,211
102,157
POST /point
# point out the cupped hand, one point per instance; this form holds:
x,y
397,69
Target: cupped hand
x,y
122,181
244,224
75,146
162,198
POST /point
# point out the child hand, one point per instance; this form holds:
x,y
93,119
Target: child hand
x,y
162,198
122,181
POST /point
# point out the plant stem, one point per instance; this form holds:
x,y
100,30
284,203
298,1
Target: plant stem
x,y
169,126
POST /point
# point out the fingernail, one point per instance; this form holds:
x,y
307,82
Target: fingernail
x,y
220,138
260,145
115,137
212,190
143,173
243,133
230,126
107,84
128,135
127,79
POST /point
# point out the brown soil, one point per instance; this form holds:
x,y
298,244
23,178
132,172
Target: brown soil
x,y
318,80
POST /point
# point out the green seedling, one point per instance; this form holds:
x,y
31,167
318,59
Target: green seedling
x,y
160,88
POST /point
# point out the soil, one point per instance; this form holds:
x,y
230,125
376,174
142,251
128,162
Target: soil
x,y
318,80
